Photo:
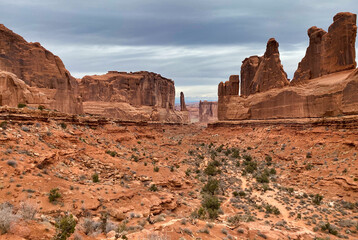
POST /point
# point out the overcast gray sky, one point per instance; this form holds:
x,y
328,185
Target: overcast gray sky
x,y
196,43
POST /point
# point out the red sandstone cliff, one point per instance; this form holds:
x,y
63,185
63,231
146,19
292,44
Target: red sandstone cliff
x,y
331,51
208,111
259,74
39,68
137,96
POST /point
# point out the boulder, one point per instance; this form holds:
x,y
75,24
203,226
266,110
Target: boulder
x,y
329,52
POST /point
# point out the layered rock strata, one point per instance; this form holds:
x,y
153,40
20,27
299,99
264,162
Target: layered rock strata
x,y
327,96
143,96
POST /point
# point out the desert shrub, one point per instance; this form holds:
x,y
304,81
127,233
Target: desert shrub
x,y
211,204
247,157
3,124
272,209
21,105
63,125
211,169
250,166
41,107
65,226
211,186
89,226
153,188
268,159
156,169
27,211
7,218
235,194
95,178
111,153
262,178
235,153
219,149
329,228
54,195
317,199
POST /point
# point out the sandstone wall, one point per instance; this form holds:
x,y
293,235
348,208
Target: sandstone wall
x,y
39,68
139,88
208,111
331,95
331,51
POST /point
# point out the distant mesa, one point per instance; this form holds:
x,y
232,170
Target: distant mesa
x,y
323,85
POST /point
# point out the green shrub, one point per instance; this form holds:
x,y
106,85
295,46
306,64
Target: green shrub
x,y
95,178
21,105
262,178
250,166
3,124
211,169
112,153
247,157
156,169
328,227
317,199
211,204
211,186
272,209
153,188
54,195
65,226
63,125
41,107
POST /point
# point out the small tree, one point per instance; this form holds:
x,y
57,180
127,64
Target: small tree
x,y
54,195
65,226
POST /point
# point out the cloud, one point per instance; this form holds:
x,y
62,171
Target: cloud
x,y
196,43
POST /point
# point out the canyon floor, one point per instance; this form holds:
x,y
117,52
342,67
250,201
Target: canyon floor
x,y
154,181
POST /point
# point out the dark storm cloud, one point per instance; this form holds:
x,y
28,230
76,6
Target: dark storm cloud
x,y
196,43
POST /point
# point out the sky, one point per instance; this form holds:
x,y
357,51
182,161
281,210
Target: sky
x,y
196,43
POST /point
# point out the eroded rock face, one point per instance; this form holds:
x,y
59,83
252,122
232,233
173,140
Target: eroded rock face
x,y
329,52
139,96
230,87
14,91
182,102
138,89
328,96
248,70
265,73
208,111
39,68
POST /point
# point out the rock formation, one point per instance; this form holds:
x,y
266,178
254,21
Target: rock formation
x,y
259,74
14,91
328,96
230,87
208,111
39,68
140,96
331,51
329,59
182,102
248,70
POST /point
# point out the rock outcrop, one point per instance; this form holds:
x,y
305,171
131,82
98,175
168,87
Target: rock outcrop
x,y
248,70
208,111
328,96
182,102
39,68
14,91
259,74
140,96
230,87
329,52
